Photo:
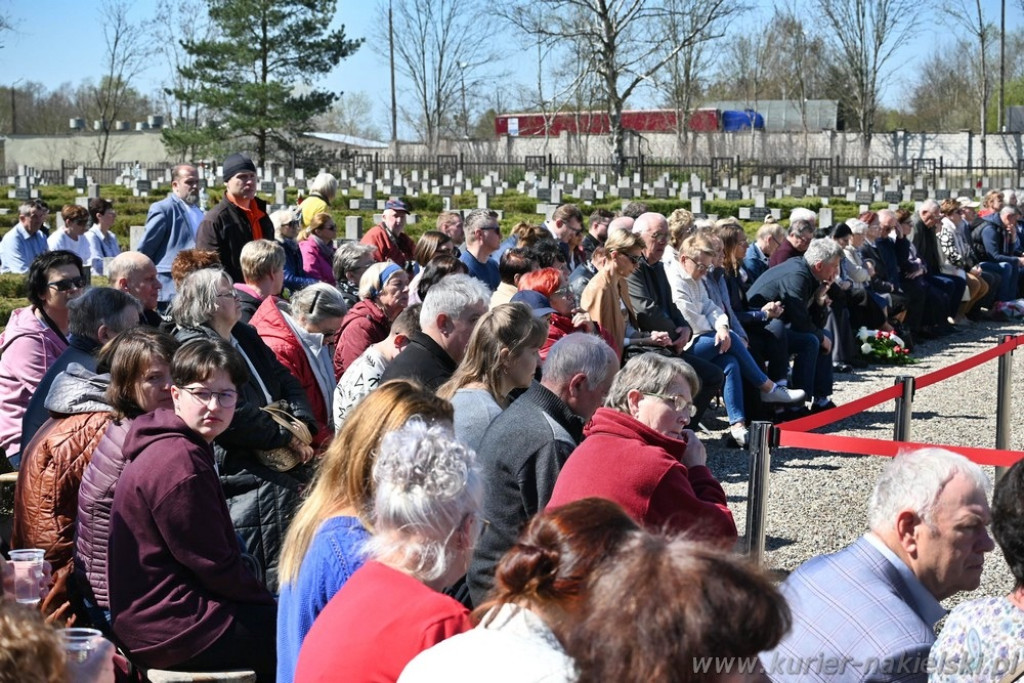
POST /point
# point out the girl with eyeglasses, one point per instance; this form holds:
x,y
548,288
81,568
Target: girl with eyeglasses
x,y
181,597
35,336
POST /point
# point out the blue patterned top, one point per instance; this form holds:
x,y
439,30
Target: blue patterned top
x,y
334,555
983,640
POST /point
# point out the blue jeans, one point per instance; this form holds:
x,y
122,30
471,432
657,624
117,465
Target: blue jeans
x,y
812,369
737,364
1009,274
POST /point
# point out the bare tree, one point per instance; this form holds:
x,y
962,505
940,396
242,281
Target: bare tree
x,y
624,41
866,34
174,23
351,114
123,61
443,54
970,15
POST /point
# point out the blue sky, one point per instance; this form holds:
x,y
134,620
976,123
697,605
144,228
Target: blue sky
x,y
65,44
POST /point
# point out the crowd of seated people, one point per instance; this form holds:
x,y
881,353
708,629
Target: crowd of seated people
x,y
378,442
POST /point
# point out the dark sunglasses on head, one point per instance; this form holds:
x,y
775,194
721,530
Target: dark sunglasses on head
x,y
68,284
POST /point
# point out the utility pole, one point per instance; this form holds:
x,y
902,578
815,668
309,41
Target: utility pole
x,y
465,112
394,99
1002,65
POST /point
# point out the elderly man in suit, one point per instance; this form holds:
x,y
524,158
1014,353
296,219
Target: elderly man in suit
x,y
868,612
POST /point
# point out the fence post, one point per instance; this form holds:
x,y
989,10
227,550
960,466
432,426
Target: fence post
x,y
550,162
904,409
762,437
1004,404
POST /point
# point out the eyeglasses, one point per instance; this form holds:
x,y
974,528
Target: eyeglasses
x,y
233,294
68,284
563,292
329,226
631,257
678,402
226,399
699,267
495,228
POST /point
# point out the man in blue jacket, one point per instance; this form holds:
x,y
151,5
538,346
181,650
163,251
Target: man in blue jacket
x,y
171,226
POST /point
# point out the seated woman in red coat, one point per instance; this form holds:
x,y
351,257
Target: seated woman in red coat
x,y
425,523
640,454
384,293
301,334
180,596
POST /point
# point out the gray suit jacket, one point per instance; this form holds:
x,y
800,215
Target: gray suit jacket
x,y
854,619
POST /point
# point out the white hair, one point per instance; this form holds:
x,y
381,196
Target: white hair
x,y
325,185
317,302
914,481
821,250
802,214
427,487
452,295
577,353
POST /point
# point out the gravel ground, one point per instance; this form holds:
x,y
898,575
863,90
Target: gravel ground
x,y
817,500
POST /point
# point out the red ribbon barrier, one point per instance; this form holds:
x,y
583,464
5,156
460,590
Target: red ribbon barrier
x,y
866,446
797,433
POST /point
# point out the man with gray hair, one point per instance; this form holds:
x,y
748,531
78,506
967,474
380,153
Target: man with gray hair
x,y
134,273
524,449
801,232
483,237
351,260
96,317
22,243
868,612
801,285
449,314
171,226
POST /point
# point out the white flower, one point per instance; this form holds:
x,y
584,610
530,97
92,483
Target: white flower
x,y
866,349
897,340
864,334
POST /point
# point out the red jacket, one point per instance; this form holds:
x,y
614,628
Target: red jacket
x,y
560,326
363,325
274,330
624,460
398,250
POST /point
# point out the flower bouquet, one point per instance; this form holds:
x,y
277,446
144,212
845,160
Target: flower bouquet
x,y
884,347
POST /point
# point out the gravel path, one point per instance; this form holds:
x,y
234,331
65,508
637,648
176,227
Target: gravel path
x,y
817,500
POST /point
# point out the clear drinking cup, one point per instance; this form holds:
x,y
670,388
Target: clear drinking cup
x,y
28,572
79,642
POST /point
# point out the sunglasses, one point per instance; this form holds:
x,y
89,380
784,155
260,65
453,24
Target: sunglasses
x,y
634,259
68,284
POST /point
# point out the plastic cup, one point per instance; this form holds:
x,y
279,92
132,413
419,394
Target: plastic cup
x,y
79,642
28,572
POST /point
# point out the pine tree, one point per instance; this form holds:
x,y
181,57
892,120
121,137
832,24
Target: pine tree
x,y
256,75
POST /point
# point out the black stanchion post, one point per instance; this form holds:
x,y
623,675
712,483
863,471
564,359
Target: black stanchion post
x,y
1004,404
904,410
762,437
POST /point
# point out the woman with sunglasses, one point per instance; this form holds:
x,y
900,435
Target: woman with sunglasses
x,y
606,297
262,499
316,242
181,596
301,333
555,293
715,341
286,227
35,336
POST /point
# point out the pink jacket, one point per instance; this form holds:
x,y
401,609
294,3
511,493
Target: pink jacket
x,y
29,348
315,262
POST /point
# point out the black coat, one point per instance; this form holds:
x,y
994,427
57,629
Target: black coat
x,y
423,361
262,502
225,229
651,296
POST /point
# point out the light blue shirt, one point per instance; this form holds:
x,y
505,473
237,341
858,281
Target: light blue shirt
x,y
100,247
18,249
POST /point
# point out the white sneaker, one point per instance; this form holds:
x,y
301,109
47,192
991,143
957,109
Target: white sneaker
x,y
740,434
781,394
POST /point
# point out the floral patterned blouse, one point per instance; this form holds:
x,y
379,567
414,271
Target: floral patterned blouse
x,y
983,640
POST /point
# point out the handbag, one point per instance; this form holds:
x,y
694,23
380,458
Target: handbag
x,y
283,458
